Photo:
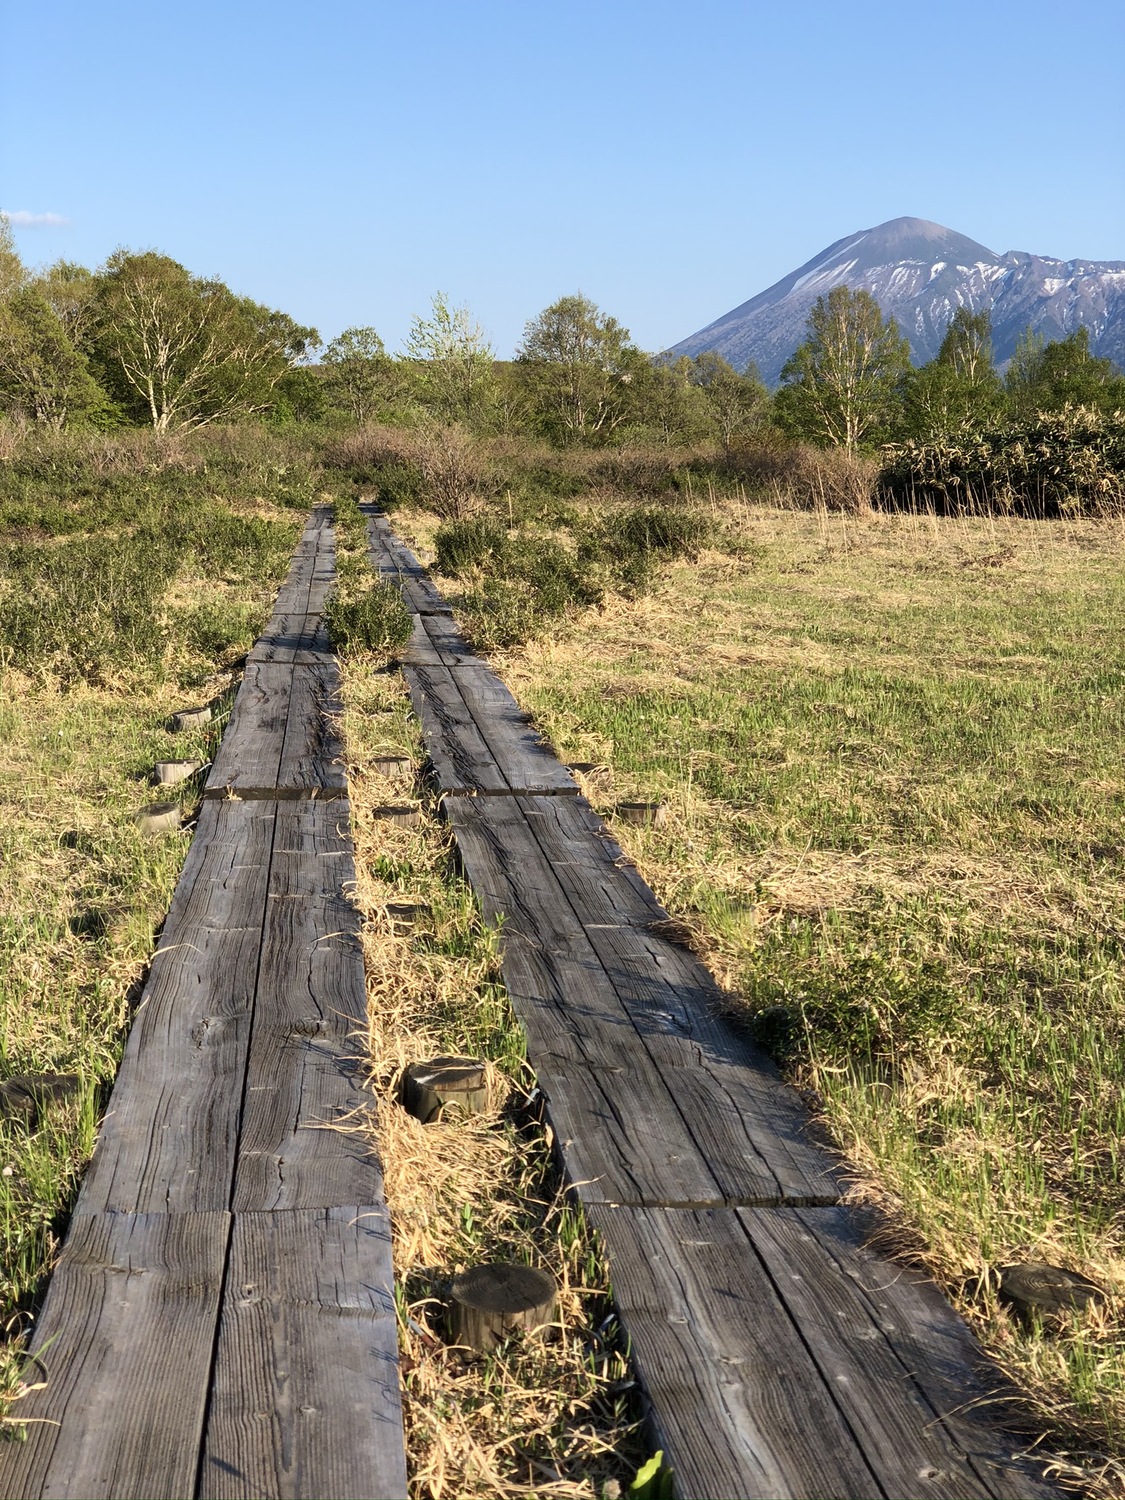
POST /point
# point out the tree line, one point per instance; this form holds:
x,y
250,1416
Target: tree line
x,y
143,341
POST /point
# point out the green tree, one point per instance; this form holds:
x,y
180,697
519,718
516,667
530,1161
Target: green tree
x,y
359,375
737,405
839,386
42,375
12,273
967,346
184,351
454,364
72,292
578,364
959,391
1048,376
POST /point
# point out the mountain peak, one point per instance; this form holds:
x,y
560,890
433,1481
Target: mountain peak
x,y
921,239
920,273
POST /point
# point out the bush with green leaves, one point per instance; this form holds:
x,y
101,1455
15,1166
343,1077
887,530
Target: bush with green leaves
x,y
628,545
1056,463
462,546
371,618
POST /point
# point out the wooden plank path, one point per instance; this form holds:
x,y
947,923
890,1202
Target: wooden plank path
x,y
778,1355
221,1322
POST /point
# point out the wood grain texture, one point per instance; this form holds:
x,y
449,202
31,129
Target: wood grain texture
x,y
305,1073
715,1128
725,1084
461,758
125,1337
289,639
306,1394
312,754
168,1139
808,1385
398,564
526,763
250,751
909,1377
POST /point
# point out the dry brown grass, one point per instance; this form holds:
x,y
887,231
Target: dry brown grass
x,y
544,1416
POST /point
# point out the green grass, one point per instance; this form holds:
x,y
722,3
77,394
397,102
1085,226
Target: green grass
x,y
892,754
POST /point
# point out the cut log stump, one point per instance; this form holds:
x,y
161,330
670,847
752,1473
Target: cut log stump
x,y
404,916
168,772
644,814
397,766
24,1097
490,1303
404,817
160,817
442,1086
1034,1289
191,718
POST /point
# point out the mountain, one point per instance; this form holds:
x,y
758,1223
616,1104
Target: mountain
x,y
920,273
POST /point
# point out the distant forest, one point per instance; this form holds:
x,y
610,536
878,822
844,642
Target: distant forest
x,y
143,342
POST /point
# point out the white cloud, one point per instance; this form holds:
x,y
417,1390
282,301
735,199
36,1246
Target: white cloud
x,y
22,219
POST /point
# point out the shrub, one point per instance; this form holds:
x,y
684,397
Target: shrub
x,y
799,476
1060,463
463,545
219,627
86,608
373,619
628,544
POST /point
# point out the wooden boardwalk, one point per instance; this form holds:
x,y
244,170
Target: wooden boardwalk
x,y
221,1322
779,1356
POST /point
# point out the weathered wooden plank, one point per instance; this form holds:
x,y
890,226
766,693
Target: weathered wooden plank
x,y
712,1129
525,761
168,1140
397,562
725,1085
738,1406
447,641
774,1376
312,755
460,756
250,752
289,639
419,650
907,1374
305,1070
306,1394
125,1337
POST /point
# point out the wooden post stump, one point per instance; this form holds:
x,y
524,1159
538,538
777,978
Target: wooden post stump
x,y
404,817
393,765
24,1097
490,1303
644,814
191,718
405,915
168,772
161,817
1035,1289
444,1085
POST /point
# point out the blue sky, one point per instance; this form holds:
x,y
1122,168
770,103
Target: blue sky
x,y
346,161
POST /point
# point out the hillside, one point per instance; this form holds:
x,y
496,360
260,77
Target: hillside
x,y
920,273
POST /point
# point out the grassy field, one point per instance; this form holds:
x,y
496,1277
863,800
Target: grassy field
x,y
131,577
891,751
